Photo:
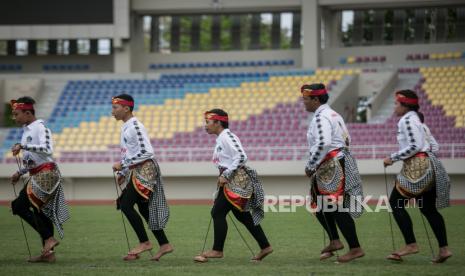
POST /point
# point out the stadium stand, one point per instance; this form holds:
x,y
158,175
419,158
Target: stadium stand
x,y
362,59
10,67
172,110
436,56
65,67
222,64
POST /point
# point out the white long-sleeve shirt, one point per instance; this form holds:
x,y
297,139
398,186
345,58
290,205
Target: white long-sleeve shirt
x,y
326,132
410,136
433,144
135,143
37,145
228,153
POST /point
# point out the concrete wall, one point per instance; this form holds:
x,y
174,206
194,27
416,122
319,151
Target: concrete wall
x,y
386,88
311,54
311,40
372,4
130,56
376,83
197,6
201,188
345,102
181,6
15,88
122,59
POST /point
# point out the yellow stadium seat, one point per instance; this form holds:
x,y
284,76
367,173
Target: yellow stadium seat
x,y
186,114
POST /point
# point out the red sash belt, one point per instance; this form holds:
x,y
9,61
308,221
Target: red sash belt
x,y
330,155
141,189
44,167
418,154
421,154
235,199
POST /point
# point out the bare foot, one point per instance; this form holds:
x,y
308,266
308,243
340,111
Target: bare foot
x,y
353,254
212,254
444,254
200,259
131,257
142,247
263,253
164,249
394,257
48,257
326,255
49,244
411,248
333,246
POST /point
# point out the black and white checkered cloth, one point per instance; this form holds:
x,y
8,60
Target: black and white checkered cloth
x,y
353,185
256,202
442,182
158,207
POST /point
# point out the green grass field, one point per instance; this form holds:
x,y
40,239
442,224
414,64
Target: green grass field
x,y
94,244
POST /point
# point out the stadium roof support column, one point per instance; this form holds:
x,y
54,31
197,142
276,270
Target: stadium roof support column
x,y
121,46
122,58
311,33
127,50
332,28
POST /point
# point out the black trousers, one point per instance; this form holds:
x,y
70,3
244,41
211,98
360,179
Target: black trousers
x,y
128,199
427,206
345,223
343,220
22,207
220,209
